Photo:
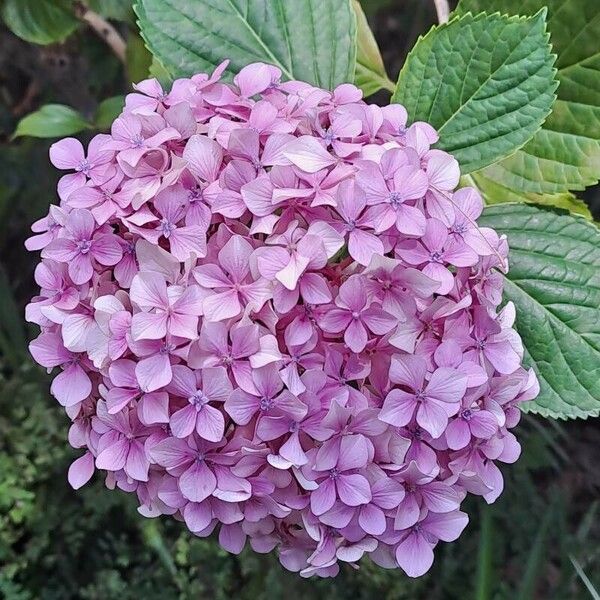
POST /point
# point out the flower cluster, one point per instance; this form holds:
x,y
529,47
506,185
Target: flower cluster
x,y
274,317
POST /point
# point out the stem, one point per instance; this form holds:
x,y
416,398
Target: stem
x,y
484,562
443,10
103,28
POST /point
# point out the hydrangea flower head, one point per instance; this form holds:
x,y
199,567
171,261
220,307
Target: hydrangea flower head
x,y
275,318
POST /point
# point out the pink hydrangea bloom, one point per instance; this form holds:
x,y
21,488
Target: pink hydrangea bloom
x,y
275,317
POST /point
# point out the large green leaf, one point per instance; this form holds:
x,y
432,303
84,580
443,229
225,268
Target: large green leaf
x,y
495,192
311,40
50,121
565,153
486,82
554,281
370,74
39,21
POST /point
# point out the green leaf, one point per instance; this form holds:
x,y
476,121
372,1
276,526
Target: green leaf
x,y
565,153
108,110
310,40
138,58
39,21
497,193
50,121
554,281
160,73
485,82
370,74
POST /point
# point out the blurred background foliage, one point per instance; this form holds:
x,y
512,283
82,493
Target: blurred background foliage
x,y
540,540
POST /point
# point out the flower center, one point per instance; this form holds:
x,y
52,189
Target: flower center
x,y
435,257
166,228
328,136
137,141
84,167
395,199
266,404
84,246
195,194
198,399
466,414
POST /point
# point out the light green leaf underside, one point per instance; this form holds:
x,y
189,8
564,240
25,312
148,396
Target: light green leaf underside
x,y
39,21
310,40
486,82
370,74
497,193
51,121
565,153
554,281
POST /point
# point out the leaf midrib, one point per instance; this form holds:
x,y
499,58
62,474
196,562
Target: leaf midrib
x,y
259,40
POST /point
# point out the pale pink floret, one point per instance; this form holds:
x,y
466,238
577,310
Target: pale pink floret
x,y
356,316
276,318
83,244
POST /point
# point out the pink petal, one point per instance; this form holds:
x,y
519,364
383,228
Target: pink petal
x,y
432,418
71,386
353,489
137,465
458,434
232,538
362,245
398,408
414,555
81,470
154,372
372,519
67,153
234,257
185,241
356,336
210,424
106,249
183,421
323,498
198,482
308,154
440,497
114,457
81,269
447,526
197,515
204,157
149,326
219,307
447,385
153,408
241,406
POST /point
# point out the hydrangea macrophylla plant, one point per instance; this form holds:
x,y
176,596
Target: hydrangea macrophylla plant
x,y
276,319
